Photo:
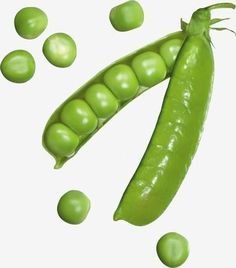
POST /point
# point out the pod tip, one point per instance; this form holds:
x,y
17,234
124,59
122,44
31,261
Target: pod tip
x,y
117,215
59,163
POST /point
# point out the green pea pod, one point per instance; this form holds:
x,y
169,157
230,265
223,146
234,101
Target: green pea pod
x,y
94,104
178,129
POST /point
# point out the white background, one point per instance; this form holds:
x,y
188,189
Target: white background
x,y
31,233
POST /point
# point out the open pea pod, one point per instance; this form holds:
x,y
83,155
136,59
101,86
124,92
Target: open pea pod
x,y
96,102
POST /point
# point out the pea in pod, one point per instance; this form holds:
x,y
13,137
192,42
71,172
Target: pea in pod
x,y
96,102
178,129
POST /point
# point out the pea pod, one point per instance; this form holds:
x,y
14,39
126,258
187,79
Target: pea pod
x,y
178,129
96,102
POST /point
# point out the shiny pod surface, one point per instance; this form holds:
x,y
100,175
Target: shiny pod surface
x,y
30,22
60,50
127,16
18,66
102,97
177,132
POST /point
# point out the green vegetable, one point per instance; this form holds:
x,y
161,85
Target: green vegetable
x,y
150,68
178,129
61,140
78,116
106,94
18,66
172,249
101,100
122,81
170,50
127,16
30,22
60,50
73,207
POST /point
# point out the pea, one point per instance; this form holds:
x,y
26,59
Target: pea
x,y
122,81
101,100
18,66
172,249
78,116
60,50
61,140
169,51
73,207
150,68
127,16
30,22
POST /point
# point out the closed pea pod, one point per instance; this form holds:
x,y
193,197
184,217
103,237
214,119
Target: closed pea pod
x,y
178,129
105,95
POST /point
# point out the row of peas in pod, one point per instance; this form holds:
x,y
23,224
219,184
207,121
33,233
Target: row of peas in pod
x,y
84,113
59,49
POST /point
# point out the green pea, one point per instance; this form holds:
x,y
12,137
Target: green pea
x,y
101,100
61,141
60,50
78,116
172,249
150,68
30,22
169,51
122,81
73,207
18,66
127,16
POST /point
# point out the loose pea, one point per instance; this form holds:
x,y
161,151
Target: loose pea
x,y
122,81
172,249
30,22
60,50
61,141
18,66
78,116
127,16
73,207
101,100
150,68
169,51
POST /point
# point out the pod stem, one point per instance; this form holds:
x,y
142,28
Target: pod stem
x,y
221,5
223,29
217,20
